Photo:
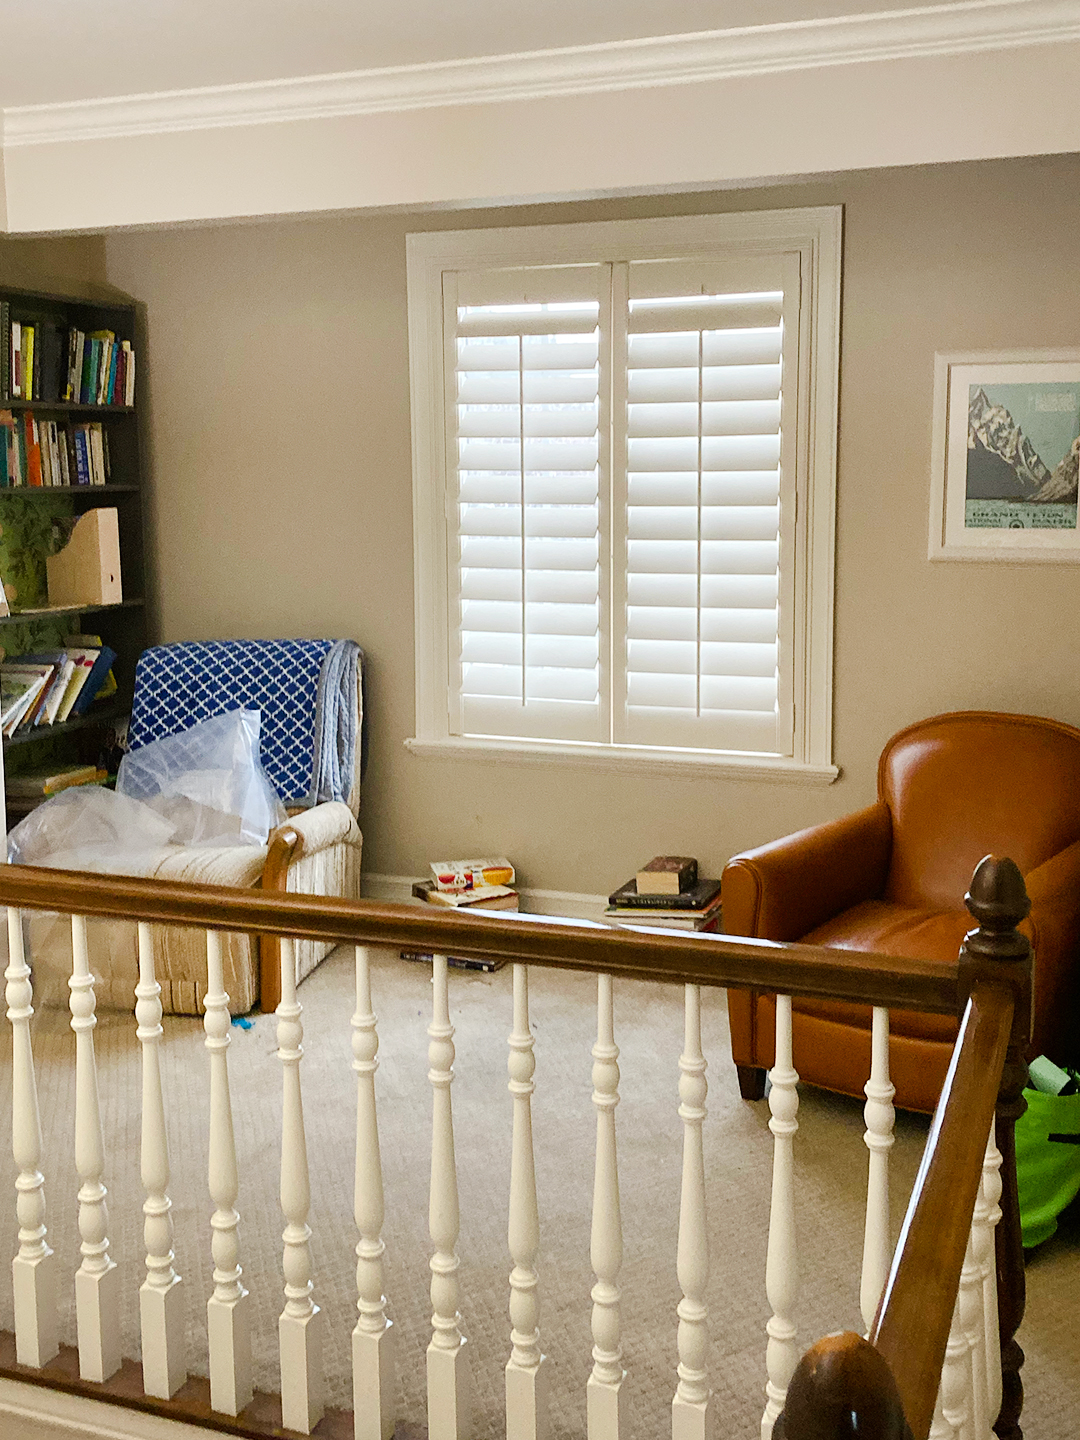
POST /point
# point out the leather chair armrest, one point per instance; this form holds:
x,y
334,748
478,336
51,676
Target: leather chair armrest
x,y
782,890
1054,888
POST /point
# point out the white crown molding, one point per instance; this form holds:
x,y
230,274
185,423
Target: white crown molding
x,y
971,25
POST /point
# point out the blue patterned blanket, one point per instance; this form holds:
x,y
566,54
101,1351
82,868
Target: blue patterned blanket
x,y
305,691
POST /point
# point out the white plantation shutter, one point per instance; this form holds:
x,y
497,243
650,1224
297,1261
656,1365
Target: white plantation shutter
x,y
624,450
621,442
526,444
706,651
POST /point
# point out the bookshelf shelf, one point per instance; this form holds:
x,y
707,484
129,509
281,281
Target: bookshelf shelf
x,y
31,490
98,714
68,407
32,526
46,612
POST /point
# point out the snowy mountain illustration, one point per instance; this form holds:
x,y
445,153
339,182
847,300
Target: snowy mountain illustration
x,y
1002,462
1061,488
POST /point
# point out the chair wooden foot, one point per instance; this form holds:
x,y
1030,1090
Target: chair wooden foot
x,y
751,1082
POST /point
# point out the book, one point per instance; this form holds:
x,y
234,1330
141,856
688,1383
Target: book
x,y
485,897
43,783
469,874
28,362
83,663
9,450
667,875
456,962
93,642
699,897
32,450
668,920
5,350
16,360
56,659
101,663
20,690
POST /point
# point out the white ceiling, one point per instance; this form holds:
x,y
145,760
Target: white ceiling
x,y
57,50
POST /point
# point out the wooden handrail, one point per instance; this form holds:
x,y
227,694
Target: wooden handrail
x,y
701,959
912,1328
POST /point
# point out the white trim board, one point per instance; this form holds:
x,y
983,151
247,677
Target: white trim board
x,y
397,889
58,1413
961,28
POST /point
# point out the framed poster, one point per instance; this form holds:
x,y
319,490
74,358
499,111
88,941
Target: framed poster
x,y
1006,449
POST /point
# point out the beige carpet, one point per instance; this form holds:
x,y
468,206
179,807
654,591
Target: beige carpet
x,y
831,1160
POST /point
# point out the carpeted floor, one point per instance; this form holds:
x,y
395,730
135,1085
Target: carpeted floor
x,y
831,1164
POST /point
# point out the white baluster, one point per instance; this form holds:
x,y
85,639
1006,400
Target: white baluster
x,y
372,1345
161,1302
970,1309
228,1320
956,1380
97,1282
606,1394
300,1324
990,1212
449,1392
940,1429
781,1264
33,1270
526,1370
879,1115
692,1408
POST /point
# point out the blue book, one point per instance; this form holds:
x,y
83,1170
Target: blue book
x,y
95,680
82,458
110,388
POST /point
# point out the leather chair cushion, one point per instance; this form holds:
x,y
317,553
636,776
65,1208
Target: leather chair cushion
x,y
877,925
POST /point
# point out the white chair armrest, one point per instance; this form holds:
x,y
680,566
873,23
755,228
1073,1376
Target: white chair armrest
x,y
322,826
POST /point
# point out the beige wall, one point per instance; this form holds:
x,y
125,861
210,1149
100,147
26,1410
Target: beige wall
x,y
278,394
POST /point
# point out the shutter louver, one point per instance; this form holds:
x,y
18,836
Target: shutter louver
x,y
528,451
704,388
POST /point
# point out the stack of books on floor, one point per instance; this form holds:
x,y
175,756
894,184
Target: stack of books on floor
x,y
467,885
667,892
26,792
49,453
39,360
54,686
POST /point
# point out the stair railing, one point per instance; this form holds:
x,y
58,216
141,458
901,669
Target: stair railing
x,y
949,1310
941,1358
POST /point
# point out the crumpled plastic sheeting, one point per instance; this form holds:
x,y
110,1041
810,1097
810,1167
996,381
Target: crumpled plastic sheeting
x,y
204,786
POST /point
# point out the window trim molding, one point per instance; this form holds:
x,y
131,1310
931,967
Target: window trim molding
x,y
816,232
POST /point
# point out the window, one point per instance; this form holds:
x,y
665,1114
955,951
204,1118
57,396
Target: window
x,y
624,451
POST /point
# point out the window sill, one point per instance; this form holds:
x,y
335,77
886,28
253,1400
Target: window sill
x,y
627,760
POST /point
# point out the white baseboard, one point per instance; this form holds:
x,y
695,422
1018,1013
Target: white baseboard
x,y
36,1413
572,903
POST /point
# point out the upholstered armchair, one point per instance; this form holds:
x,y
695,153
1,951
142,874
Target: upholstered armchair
x,y
310,696
891,878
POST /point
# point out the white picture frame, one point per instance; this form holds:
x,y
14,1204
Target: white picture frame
x,y
1000,491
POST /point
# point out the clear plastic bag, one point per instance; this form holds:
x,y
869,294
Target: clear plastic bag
x,y
207,782
88,828
202,787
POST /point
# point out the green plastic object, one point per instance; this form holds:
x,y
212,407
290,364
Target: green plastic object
x,y
1047,1150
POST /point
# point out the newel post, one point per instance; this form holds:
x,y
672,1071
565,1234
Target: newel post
x,y
997,953
842,1389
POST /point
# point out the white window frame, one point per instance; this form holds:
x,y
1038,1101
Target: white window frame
x,y
815,234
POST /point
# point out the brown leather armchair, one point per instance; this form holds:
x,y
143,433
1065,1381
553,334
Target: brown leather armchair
x,y
892,878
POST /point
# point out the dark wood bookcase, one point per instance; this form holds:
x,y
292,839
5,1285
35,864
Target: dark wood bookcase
x,y
32,523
